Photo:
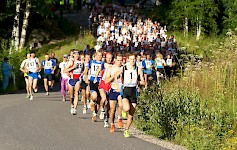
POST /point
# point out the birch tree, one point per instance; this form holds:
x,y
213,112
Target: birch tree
x,y
15,30
25,24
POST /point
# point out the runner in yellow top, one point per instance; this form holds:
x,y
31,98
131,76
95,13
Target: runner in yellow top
x,y
25,74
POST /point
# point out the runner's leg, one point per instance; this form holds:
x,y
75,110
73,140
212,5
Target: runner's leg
x,y
46,87
76,94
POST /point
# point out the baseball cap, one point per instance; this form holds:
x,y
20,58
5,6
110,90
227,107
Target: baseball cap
x,y
65,55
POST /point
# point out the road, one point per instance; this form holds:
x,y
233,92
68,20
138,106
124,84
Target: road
x,y
46,124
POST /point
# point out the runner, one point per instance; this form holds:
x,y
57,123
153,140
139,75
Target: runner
x,y
84,86
104,90
49,69
160,63
130,83
56,62
114,94
147,65
75,69
70,57
64,76
26,74
33,66
95,67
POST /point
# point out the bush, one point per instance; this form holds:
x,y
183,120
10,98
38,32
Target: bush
x,y
183,117
15,60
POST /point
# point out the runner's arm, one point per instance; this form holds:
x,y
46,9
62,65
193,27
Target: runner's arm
x,y
142,81
22,66
25,66
39,65
68,68
108,77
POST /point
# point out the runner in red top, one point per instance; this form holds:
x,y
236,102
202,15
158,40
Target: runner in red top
x,y
75,68
104,89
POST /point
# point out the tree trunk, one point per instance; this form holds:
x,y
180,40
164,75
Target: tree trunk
x,y
199,27
15,30
25,24
185,26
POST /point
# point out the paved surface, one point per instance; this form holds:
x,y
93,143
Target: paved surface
x,y
46,124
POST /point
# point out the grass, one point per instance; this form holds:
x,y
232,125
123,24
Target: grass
x,y
64,47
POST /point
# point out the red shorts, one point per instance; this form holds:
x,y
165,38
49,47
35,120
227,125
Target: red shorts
x,y
104,86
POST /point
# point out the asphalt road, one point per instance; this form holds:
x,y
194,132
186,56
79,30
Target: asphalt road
x,y
46,124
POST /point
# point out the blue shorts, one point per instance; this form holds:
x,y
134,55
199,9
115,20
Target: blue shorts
x,y
148,72
113,95
34,75
73,82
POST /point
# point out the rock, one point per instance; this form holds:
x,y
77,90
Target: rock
x,y
37,37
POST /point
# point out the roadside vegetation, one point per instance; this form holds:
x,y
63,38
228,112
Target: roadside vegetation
x,y
198,108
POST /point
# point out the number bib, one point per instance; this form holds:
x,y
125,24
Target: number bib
x,y
148,65
130,78
78,69
169,62
32,66
94,68
48,65
139,64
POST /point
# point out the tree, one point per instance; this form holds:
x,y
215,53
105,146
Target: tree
x,y
15,31
25,24
230,15
199,15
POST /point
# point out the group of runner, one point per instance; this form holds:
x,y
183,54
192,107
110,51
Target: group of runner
x,y
130,51
103,79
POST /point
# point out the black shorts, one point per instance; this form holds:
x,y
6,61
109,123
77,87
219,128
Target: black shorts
x,y
161,70
83,85
48,77
53,76
131,94
94,87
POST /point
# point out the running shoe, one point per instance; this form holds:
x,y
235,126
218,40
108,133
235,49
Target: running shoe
x,y
36,90
120,123
124,114
126,133
74,111
106,124
47,94
94,118
31,98
102,115
64,100
28,96
112,128
84,110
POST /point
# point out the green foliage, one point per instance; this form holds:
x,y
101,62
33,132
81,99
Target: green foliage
x,y
230,15
215,16
182,116
15,60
